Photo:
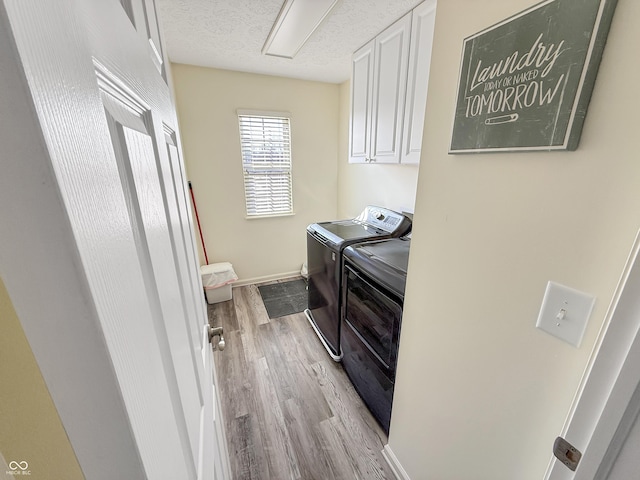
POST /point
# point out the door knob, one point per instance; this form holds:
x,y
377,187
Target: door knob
x,y
217,332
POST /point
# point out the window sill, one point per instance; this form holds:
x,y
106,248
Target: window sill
x,y
273,215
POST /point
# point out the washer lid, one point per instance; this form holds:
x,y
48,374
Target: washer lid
x,y
346,230
372,222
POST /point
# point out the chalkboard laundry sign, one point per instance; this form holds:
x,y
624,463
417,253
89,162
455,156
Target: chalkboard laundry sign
x,y
525,83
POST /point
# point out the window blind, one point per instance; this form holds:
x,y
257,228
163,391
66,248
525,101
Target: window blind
x,y
265,141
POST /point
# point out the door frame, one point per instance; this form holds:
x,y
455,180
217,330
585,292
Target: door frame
x,y
606,401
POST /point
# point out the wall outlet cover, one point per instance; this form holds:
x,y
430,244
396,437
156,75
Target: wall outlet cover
x,y
565,312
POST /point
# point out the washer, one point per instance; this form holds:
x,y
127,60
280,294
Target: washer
x,y
325,244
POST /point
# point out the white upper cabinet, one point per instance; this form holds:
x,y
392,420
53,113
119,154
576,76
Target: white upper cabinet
x,y
361,100
378,85
389,89
422,25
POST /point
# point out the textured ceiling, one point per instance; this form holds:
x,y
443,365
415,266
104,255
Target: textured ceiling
x,y
229,34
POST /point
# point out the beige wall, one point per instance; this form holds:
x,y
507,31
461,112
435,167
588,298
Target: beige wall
x,y
207,100
391,186
30,429
481,393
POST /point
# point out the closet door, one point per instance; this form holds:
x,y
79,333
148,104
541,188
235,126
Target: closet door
x,y
127,356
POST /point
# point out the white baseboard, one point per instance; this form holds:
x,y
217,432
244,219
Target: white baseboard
x,y
394,463
266,278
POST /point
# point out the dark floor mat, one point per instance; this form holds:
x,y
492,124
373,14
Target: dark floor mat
x,y
284,298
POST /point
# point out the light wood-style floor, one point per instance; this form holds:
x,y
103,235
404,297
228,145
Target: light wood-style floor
x,y
290,411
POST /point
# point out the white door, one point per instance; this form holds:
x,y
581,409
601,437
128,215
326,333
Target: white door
x,y
626,464
601,420
101,210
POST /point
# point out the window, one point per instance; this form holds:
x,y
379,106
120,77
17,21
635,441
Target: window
x,y
265,140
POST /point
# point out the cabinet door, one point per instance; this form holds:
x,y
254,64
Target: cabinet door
x,y
389,87
361,96
422,26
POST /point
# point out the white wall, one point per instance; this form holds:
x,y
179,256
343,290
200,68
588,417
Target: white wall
x,y
391,186
207,100
481,393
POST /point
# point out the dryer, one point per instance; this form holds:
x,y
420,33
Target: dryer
x,y
374,280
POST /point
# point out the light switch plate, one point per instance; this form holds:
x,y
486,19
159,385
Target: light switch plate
x,y
564,313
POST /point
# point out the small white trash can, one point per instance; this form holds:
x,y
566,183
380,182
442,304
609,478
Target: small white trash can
x,y
216,280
